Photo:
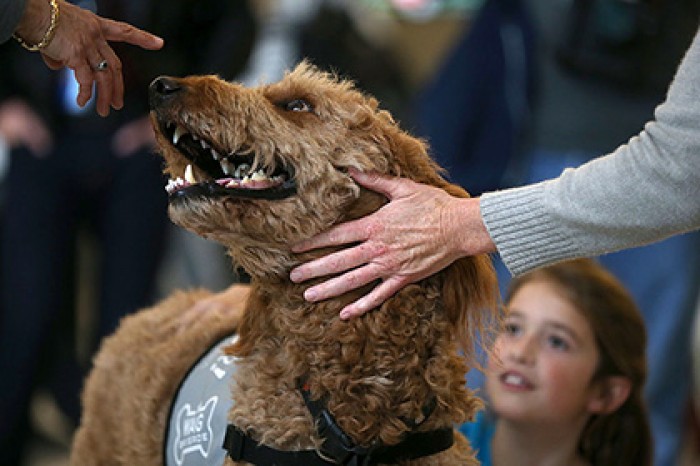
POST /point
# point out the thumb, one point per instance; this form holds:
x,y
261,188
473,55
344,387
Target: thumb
x,y
390,186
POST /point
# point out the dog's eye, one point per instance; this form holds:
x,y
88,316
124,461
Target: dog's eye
x,y
298,105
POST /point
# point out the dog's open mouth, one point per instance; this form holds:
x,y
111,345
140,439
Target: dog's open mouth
x,y
233,173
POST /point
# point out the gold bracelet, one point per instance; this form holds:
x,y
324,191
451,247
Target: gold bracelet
x,y
50,32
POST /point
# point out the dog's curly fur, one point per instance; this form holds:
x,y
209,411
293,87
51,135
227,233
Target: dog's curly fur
x,y
374,371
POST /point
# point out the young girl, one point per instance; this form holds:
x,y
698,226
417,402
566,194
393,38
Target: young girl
x,y
565,380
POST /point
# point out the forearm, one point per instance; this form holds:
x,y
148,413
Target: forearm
x,y
645,191
11,12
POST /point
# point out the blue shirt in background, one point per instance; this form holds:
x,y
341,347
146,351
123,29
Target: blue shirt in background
x,y
480,433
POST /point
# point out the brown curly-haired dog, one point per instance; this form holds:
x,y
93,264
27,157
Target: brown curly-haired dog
x,y
268,169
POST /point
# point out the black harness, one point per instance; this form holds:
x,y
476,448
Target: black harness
x,y
338,448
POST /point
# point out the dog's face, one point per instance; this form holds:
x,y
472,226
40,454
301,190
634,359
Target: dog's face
x,y
261,168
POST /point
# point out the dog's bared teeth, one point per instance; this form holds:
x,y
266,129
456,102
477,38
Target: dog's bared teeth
x,y
227,166
189,175
170,187
215,154
174,185
204,144
179,131
259,176
241,170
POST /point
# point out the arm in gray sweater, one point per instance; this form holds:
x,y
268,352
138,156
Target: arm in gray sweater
x,y
645,191
10,13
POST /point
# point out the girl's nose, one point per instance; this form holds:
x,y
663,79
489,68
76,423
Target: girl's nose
x,y
523,349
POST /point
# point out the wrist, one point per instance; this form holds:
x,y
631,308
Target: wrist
x,y
469,229
37,27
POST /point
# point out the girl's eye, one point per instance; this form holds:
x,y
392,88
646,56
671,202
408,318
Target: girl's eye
x,y
557,343
511,329
298,105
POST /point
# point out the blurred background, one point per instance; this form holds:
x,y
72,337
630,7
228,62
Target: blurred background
x,y
505,91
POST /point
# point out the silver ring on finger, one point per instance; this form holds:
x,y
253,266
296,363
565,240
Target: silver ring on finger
x,y
101,66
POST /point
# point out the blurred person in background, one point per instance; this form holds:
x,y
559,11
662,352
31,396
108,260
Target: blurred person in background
x,y
72,174
70,36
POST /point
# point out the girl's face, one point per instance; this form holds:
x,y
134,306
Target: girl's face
x,y
544,359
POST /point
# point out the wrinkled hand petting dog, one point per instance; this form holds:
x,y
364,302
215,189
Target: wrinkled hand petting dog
x,y
286,381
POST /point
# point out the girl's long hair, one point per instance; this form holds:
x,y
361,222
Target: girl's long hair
x,y
622,437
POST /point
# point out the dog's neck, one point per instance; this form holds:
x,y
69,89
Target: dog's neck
x,y
373,371
378,360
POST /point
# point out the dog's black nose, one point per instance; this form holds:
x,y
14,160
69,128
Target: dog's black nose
x,y
161,89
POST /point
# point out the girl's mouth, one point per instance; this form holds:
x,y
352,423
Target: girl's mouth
x,y
514,380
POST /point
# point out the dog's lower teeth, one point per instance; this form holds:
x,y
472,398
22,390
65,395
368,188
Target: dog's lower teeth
x,y
174,185
259,176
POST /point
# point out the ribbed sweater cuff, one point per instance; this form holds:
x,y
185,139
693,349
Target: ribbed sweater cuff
x,y
522,229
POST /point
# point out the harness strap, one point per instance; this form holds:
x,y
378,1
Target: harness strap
x,y
241,447
338,448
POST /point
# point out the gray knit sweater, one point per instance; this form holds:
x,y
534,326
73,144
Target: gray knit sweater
x,y
10,14
644,191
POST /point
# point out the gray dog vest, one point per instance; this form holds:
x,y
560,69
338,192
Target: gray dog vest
x,y
198,415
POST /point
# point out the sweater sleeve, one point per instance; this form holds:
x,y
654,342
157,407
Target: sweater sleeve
x,y
644,191
10,13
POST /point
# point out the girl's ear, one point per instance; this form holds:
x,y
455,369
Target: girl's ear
x,y
610,393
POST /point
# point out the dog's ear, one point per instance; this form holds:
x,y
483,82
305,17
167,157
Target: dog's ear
x,y
470,298
407,155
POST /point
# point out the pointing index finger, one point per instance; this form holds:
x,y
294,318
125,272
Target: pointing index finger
x,y
117,31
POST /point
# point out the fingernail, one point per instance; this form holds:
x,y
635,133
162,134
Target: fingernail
x,y
295,276
310,294
345,314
